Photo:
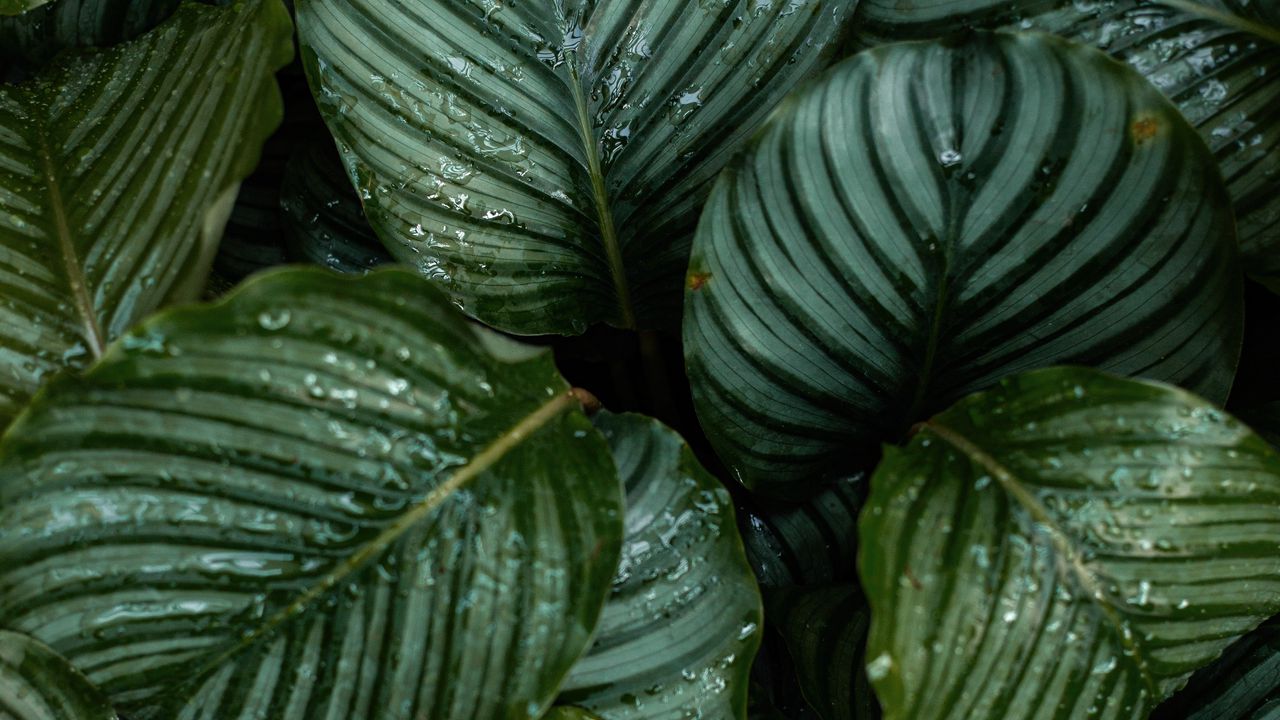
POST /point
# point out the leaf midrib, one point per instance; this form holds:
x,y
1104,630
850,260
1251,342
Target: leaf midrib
x,y
600,195
1068,559
482,461
72,267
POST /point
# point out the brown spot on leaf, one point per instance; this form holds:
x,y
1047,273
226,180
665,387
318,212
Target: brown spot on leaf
x,y
1144,129
698,279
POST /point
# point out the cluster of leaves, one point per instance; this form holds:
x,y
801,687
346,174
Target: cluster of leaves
x,y
951,293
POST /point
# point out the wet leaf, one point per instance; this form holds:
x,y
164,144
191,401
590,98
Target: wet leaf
x,y
1218,60
1243,684
546,162
38,684
682,623
825,628
323,221
808,543
569,713
970,210
33,37
117,169
1068,544
319,497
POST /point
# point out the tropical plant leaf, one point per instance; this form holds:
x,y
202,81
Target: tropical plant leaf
x,y
569,713
14,7
38,684
320,497
546,162
1007,201
117,169
1243,684
323,221
1217,60
825,628
33,37
682,624
1068,544
805,544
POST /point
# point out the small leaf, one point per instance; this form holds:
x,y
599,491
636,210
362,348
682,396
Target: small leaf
x,y
1068,544
969,209
682,624
117,170
38,684
319,497
545,163
826,632
323,221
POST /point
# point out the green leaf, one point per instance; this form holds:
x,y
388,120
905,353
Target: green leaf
x,y
1217,60
319,497
38,684
969,210
568,713
545,163
14,7
825,628
323,221
805,544
33,37
117,169
682,624
1243,684
1068,544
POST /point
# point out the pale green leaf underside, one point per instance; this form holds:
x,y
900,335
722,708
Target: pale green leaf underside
x,y
682,624
38,684
1218,61
1070,544
825,628
116,168
546,162
928,218
322,497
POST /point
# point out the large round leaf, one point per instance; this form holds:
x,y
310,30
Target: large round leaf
x,y
38,684
546,162
1216,59
1067,545
931,217
117,170
321,497
682,623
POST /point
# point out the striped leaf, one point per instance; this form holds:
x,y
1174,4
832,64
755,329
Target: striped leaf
x,y
809,543
322,497
38,684
1218,60
930,217
1069,544
33,37
1243,684
545,163
825,628
323,221
682,624
117,169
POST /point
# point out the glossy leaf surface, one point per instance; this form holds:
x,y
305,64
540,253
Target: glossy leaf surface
x,y
1218,60
546,162
320,497
323,221
1243,684
682,623
930,217
117,170
1068,544
38,684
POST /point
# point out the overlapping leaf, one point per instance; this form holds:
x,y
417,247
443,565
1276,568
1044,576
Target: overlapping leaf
x,y
1243,684
546,162
1069,544
38,684
323,221
33,37
931,217
825,628
682,624
1218,60
117,169
809,543
321,497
